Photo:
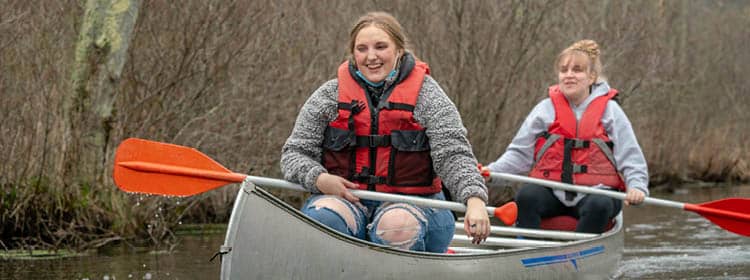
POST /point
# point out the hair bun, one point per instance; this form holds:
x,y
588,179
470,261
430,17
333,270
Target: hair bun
x,y
590,47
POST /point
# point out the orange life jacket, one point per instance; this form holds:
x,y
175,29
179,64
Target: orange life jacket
x,y
577,152
380,146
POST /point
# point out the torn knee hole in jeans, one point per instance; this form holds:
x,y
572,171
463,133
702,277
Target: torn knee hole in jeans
x,y
399,225
339,207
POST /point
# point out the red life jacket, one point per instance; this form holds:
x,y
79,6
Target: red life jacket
x,y
381,147
577,152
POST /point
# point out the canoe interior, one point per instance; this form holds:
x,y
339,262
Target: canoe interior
x,y
269,239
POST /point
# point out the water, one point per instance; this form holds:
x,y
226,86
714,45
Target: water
x,y
660,243
189,260
665,243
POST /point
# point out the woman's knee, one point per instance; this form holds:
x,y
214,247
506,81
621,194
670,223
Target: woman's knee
x,y
333,212
597,204
399,225
529,195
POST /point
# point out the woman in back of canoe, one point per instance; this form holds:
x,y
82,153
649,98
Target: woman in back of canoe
x,y
579,135
384,124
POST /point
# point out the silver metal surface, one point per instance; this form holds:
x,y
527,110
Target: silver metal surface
x,y
271,240
535,233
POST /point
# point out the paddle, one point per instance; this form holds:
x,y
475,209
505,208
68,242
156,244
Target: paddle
x,y
143,166
732,214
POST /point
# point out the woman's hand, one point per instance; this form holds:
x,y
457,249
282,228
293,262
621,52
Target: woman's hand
x,y
476,220
336,185
634,197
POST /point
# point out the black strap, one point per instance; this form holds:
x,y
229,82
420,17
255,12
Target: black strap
x,y
373,141
366,177
567,167
355,106
396,106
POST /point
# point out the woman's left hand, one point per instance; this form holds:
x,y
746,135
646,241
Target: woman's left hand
x,y
634,197
476,220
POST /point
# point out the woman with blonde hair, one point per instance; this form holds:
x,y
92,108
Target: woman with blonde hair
x,y
579,135
384,124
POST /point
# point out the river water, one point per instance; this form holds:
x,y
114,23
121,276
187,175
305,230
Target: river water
x,y
660,243
664,243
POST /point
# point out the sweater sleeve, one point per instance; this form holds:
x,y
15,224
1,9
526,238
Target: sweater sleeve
x,y
519,155
628,155
451,152
302,151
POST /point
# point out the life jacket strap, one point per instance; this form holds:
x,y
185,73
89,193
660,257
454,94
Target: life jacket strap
x,y
355,106
396,106
567,167
550,139
366,177
608,149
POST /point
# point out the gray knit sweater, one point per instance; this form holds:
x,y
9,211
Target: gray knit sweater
x,y
451,152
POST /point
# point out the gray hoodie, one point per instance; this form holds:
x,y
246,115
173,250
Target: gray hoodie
x,y
518,157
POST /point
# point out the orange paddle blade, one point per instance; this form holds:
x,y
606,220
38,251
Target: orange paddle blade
x,y
732,214
150,167
507,213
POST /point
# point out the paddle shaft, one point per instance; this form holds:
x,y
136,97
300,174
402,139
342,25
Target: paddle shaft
x,y
423,202
731,214
621,196
581,189
232,177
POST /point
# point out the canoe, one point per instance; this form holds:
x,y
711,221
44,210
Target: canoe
x,y
269,239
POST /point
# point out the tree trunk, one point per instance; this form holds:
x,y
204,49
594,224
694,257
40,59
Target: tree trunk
x,y
87,109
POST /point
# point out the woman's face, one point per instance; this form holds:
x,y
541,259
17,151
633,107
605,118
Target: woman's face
x,y
375,53
575,76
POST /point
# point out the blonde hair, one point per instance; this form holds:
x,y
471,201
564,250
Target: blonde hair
x,y
590,49
384,21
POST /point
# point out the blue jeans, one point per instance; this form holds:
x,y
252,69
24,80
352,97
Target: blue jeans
x,y
436,225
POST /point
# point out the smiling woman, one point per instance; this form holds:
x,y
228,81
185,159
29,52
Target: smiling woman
x,y
384,124
579,135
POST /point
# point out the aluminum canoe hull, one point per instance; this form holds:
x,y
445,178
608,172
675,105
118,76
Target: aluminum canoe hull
x,y
268,239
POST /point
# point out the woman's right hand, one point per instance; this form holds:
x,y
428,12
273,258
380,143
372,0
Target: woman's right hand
x,y
336,185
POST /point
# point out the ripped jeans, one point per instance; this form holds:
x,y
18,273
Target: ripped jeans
x,y
401,225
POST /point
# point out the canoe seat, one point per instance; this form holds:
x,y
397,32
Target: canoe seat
x,y
565,223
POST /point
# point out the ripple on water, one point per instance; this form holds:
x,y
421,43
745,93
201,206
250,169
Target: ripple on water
x,y
671,260
645,236
645,227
